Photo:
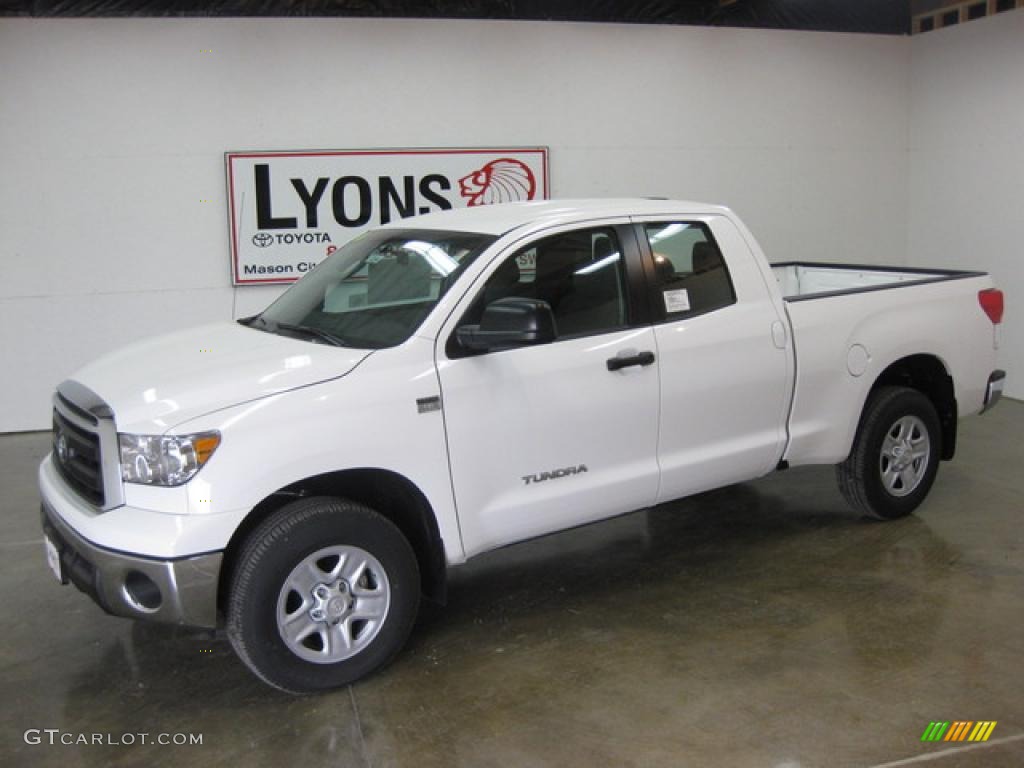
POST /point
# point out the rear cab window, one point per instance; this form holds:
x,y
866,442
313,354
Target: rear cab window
x,y
690,275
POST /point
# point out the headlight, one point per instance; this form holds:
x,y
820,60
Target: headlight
x,y
165,459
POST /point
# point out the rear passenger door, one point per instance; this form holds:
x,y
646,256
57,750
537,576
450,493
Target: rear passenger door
x,y
545,437
725,371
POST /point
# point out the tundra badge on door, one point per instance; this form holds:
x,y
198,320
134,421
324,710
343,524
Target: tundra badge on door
x,y
554,474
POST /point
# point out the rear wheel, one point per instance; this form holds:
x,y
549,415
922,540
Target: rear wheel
x,y
895,454
325,592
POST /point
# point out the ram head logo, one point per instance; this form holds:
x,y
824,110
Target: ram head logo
x,y
500,181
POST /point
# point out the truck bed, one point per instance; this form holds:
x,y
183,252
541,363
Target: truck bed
x,y
860,319
808,280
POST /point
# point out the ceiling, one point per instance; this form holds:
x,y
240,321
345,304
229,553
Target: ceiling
x,y
890,17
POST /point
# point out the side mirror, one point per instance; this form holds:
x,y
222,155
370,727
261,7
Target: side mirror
x,y
510,322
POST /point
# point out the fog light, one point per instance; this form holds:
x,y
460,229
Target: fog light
x,y
142,592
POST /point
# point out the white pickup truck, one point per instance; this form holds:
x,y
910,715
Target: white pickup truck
x,y
460,381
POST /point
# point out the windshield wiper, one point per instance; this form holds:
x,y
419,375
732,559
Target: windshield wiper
x,y
307,330
317,333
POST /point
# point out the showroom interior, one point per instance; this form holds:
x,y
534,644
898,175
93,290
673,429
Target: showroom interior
x,y
760,624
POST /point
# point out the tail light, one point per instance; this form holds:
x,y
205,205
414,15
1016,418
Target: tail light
x,y
991,300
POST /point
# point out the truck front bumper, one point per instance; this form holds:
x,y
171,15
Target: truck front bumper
x,y
177,591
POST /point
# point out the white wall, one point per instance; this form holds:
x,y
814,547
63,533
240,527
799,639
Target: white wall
x,y
967,161
112,133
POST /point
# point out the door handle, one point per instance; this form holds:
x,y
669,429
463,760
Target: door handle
x,y
641,358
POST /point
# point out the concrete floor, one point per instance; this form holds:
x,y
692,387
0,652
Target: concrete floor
x,y
760,625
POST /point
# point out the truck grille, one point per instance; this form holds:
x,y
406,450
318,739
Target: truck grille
x,y
78,458
85,451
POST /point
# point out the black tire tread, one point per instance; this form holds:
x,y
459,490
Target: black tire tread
x,y
851,474
264,537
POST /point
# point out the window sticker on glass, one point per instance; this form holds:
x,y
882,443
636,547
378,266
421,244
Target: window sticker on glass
x,y
677,300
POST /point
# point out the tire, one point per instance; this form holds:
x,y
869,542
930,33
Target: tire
x,y
895,454
325,591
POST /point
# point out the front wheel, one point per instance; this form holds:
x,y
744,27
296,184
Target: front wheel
x,y
895,454
325,592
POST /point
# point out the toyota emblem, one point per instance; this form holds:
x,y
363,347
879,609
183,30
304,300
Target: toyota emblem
x,y
62,448
262,239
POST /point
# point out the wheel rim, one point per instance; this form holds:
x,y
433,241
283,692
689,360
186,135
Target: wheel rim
x,y
904,458
333,604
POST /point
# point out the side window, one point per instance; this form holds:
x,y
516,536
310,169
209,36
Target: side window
x,y
690,273
579,274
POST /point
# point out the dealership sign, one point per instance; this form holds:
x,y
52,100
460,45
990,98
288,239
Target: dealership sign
x,y
289,210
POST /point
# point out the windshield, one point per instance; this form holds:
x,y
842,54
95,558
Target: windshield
x,y
376,290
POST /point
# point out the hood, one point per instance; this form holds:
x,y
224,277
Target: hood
x,y
158,383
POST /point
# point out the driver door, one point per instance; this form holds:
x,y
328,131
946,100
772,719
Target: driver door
x,y
545,437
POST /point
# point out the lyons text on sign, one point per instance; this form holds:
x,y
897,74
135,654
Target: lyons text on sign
x,y
289,210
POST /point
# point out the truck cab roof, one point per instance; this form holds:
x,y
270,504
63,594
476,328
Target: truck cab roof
x,y
505,217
